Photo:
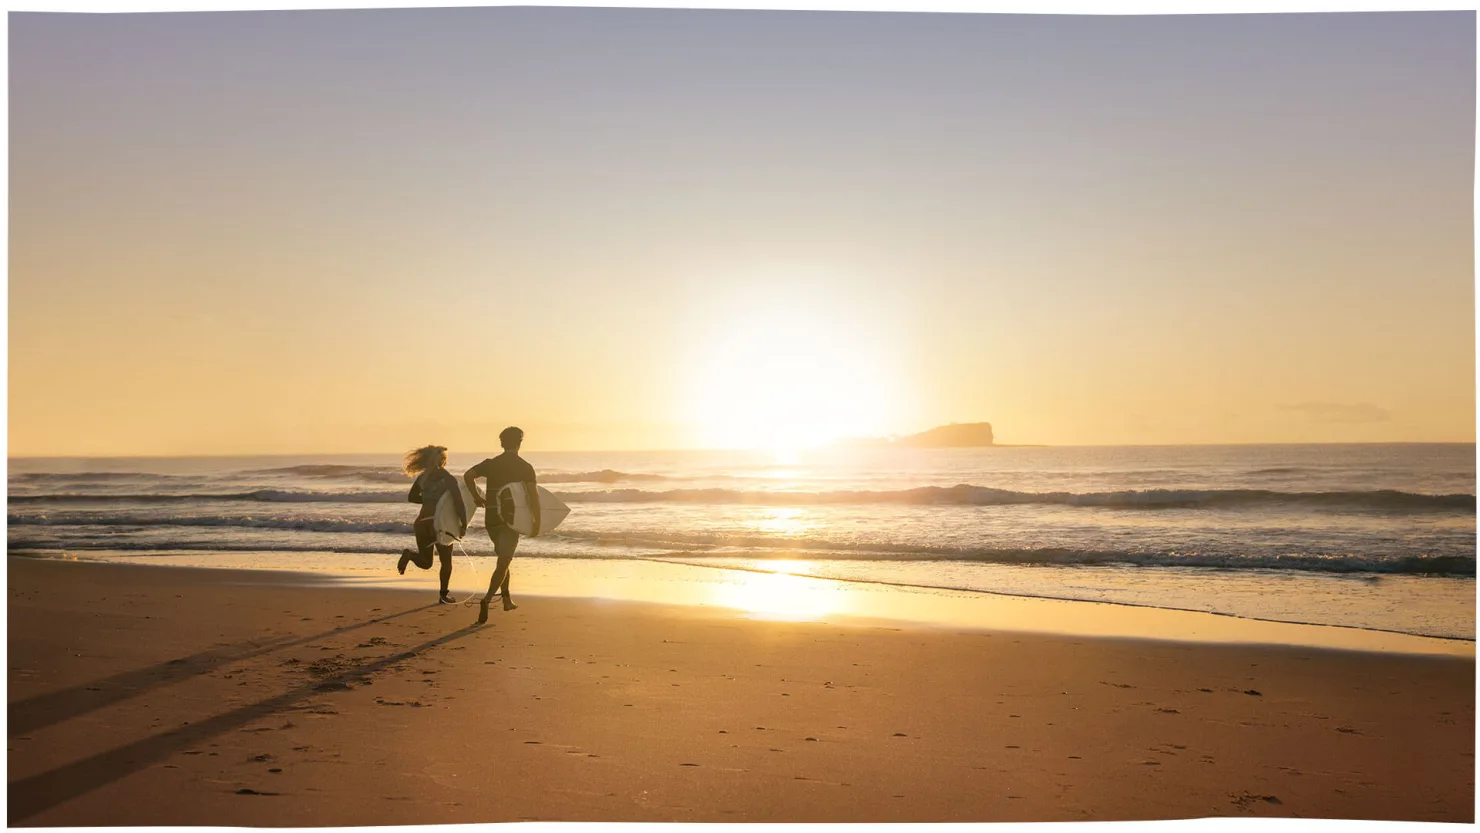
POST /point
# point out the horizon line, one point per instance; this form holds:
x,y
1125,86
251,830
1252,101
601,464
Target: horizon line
x,y
713,450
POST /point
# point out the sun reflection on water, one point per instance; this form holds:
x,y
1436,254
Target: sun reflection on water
x,y
787,522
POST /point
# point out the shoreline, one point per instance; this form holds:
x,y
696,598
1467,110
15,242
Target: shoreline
x,y
801,597
1005,594
215,697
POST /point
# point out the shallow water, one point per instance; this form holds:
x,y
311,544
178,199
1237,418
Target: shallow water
x,y
1369,536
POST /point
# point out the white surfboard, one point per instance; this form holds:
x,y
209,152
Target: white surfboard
x,y
516,509
445,521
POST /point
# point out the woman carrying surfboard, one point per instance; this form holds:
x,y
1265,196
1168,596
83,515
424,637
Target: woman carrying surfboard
x,y
501,471
433,482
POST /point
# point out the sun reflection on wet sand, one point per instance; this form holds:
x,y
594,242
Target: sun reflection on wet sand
x,y
780,595
783,596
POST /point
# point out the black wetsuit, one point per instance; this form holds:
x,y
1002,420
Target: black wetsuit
x,y
502,470
427,489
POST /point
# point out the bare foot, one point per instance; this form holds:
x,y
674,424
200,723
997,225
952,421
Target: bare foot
x,y
508,605
482,611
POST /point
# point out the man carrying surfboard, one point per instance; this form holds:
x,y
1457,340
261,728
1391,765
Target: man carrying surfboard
x,y
500,471
433,481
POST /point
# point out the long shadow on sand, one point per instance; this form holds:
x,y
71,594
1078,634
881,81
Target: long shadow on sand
x,y
45,790
44,710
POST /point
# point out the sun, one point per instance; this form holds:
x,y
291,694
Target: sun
x,y
783,378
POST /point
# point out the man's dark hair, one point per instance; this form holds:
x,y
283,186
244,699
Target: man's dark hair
x,y
510,438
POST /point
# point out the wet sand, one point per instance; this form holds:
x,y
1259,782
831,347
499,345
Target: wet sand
x,y
158,696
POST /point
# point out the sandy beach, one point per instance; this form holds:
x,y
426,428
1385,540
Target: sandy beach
x,y
154,696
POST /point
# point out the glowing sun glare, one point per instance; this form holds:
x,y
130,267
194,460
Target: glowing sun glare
x,y
780,596
782,380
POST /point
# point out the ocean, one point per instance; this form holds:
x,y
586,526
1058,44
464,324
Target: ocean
x,y
1380,537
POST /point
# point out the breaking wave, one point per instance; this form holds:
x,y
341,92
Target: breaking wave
x,y
392,474
962,495
966,495
607,547
603,476
369,474
260,495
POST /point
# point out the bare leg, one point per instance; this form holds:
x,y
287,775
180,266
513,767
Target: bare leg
x,y
421,558
426,537
500,579
445,553
504,591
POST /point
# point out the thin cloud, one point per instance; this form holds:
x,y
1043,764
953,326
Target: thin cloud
x,y
1341,412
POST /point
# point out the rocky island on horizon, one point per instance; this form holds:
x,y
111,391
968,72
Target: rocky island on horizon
x,y
954,435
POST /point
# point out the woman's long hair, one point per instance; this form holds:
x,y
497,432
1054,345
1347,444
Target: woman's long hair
x,y
427,457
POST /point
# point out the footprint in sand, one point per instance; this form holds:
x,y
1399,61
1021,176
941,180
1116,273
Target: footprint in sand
x,y
1242,800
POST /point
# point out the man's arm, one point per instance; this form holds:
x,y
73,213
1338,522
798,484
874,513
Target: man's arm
x,y
534,500
470,477
534,506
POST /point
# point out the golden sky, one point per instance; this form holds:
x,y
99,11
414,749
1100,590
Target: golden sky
x,y
357,231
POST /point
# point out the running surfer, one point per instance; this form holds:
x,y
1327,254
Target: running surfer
x,y
429,465
500,471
